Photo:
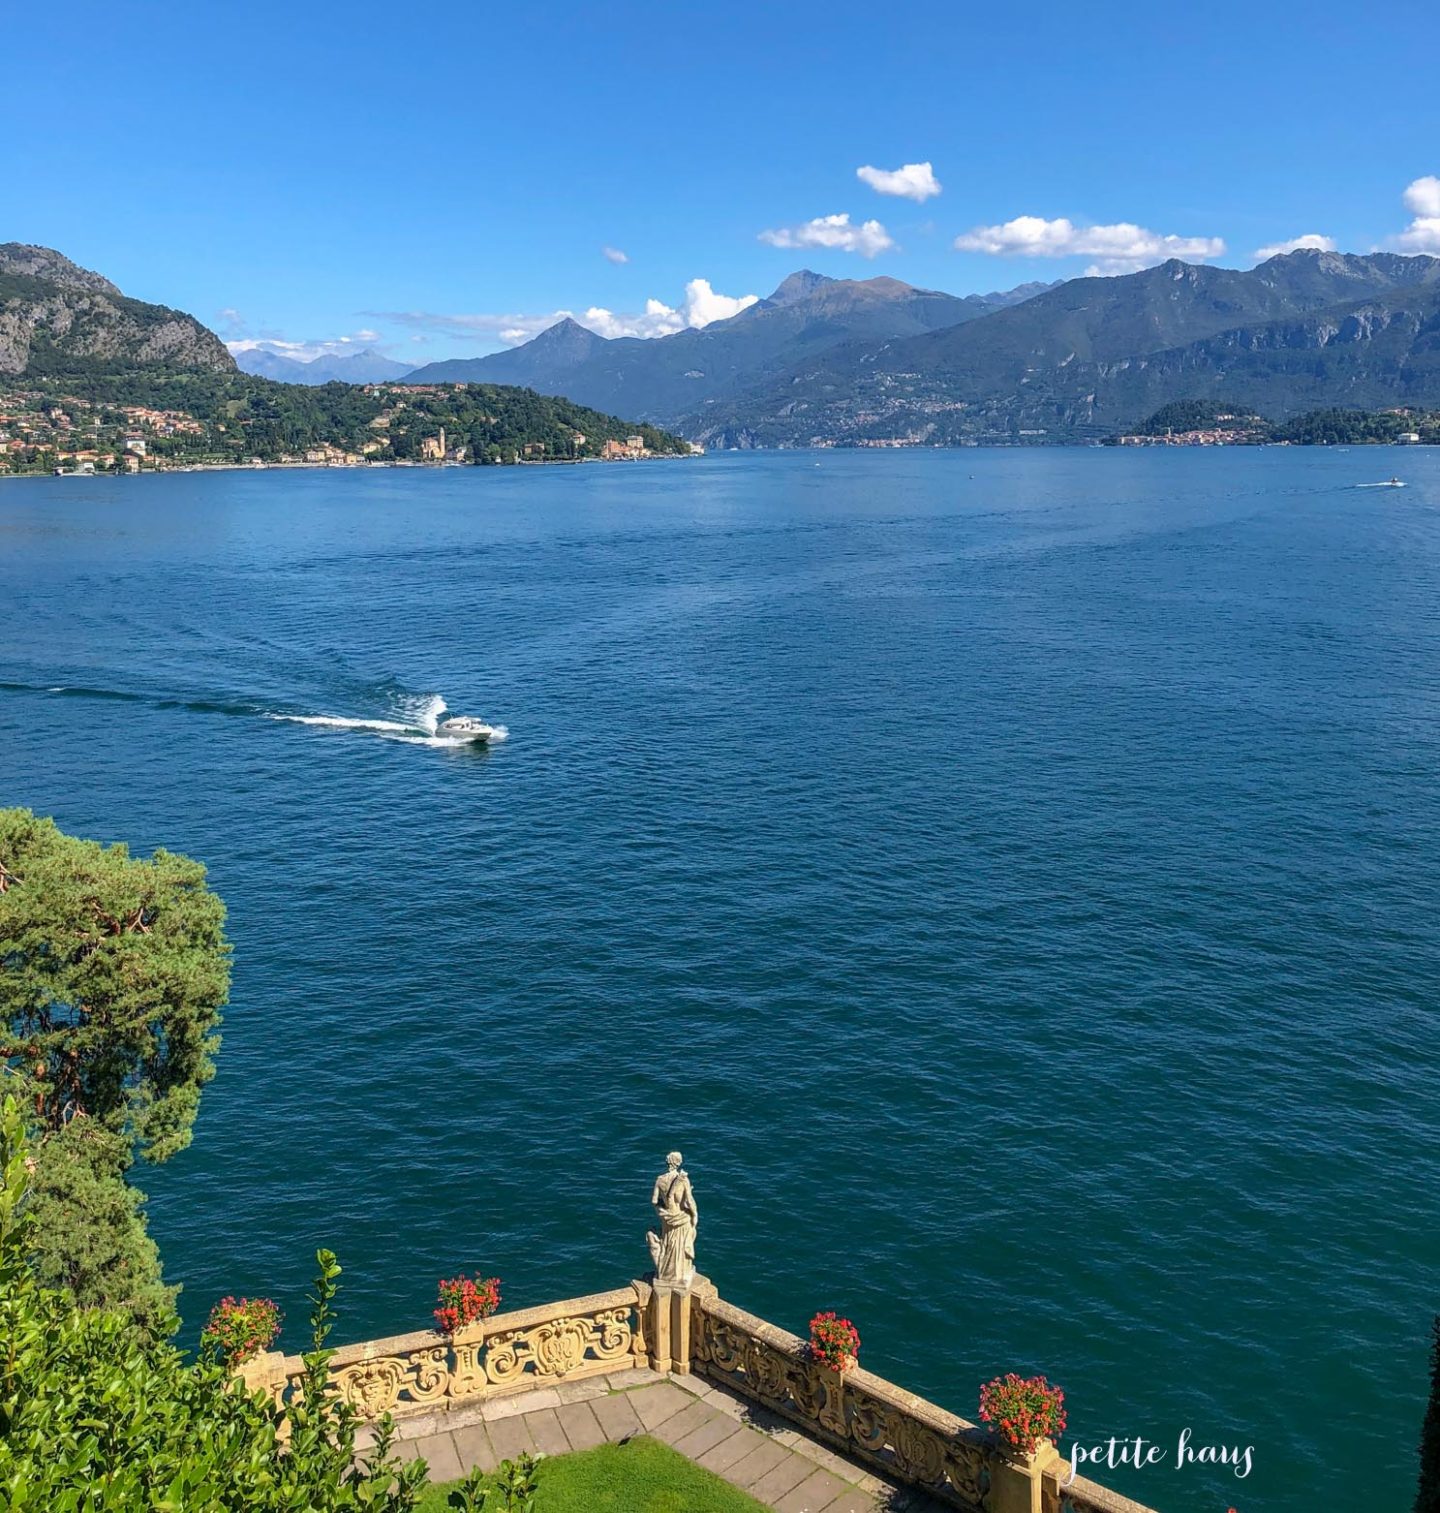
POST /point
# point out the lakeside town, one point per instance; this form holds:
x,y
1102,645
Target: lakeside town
x,y
68,434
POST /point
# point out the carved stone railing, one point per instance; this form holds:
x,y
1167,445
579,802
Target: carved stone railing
x,y
1085,1496
690,1328
872,1421
511,1352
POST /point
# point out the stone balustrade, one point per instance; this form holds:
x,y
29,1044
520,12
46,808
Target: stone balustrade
x,y
685,1329
507,1353
1086,1496
857,1412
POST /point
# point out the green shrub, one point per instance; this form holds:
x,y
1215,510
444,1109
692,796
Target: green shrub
x,y
97,1416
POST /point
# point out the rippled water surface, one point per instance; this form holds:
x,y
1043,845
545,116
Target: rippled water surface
x,y
1011,878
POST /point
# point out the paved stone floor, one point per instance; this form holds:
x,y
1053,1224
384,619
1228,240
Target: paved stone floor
x,y
716,1429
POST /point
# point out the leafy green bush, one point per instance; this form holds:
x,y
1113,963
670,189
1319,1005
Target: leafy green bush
x,y
96,1416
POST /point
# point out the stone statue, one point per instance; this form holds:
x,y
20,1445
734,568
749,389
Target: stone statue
x,y
672,1251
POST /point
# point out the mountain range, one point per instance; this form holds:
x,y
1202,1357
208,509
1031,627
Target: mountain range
x,y
826,361
364,367
728,360
1094,355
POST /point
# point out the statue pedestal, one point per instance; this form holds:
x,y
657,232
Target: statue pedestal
x,y
667,1329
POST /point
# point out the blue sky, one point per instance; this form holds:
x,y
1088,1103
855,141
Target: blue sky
x,y
448,176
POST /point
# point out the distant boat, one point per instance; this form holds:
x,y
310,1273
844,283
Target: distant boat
x,y
464,727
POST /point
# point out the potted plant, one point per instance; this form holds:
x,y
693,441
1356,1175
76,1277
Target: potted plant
x,y
834,1342
464,1301
240,1328
1024,1411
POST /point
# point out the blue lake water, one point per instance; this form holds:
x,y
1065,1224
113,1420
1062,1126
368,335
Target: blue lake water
x,y
1011,878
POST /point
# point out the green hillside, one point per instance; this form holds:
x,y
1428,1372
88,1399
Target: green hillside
x,y
1096,355
233,418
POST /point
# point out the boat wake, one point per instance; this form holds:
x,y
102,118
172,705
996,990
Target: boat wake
x,y
417,725
416,716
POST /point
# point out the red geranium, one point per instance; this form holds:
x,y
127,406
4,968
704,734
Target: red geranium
x,y
834,1340
1023,1410
464,1299
242,1327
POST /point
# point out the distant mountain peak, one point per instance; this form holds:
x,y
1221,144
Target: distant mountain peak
x,y
891,288
1320,257
798,286
567,334
1018,295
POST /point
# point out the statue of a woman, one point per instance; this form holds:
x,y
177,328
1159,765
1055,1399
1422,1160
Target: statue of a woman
x,y
672,1251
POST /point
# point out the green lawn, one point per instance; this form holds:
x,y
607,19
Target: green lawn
x,y
640,1476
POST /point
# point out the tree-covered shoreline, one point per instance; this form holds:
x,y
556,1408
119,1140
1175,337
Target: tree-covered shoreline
x,y
163,418
1204,422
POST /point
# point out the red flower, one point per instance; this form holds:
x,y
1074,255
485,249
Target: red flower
x,y
834,1340
464,1299
1025,1410
240,1328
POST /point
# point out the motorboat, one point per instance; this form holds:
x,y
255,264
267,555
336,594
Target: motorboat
x,y
1393,483
464,727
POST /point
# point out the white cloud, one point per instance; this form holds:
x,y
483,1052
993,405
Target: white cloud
x,y
835,233
702,305
1422,200
1311,239
657,319
913,181
1423,196
1421,235
614,255
307,351
1121,248
508,328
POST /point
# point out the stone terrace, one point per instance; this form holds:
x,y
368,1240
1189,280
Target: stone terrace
x,y
739,1441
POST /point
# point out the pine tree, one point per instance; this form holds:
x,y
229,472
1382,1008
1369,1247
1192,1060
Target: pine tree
x,y
115,972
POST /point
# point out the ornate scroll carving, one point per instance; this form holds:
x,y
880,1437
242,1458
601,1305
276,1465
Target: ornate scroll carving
x,y
581,1336
919,1452
560,1347
377,1386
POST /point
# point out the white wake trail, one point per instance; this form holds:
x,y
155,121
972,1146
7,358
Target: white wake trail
x,y
421,717
340,722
